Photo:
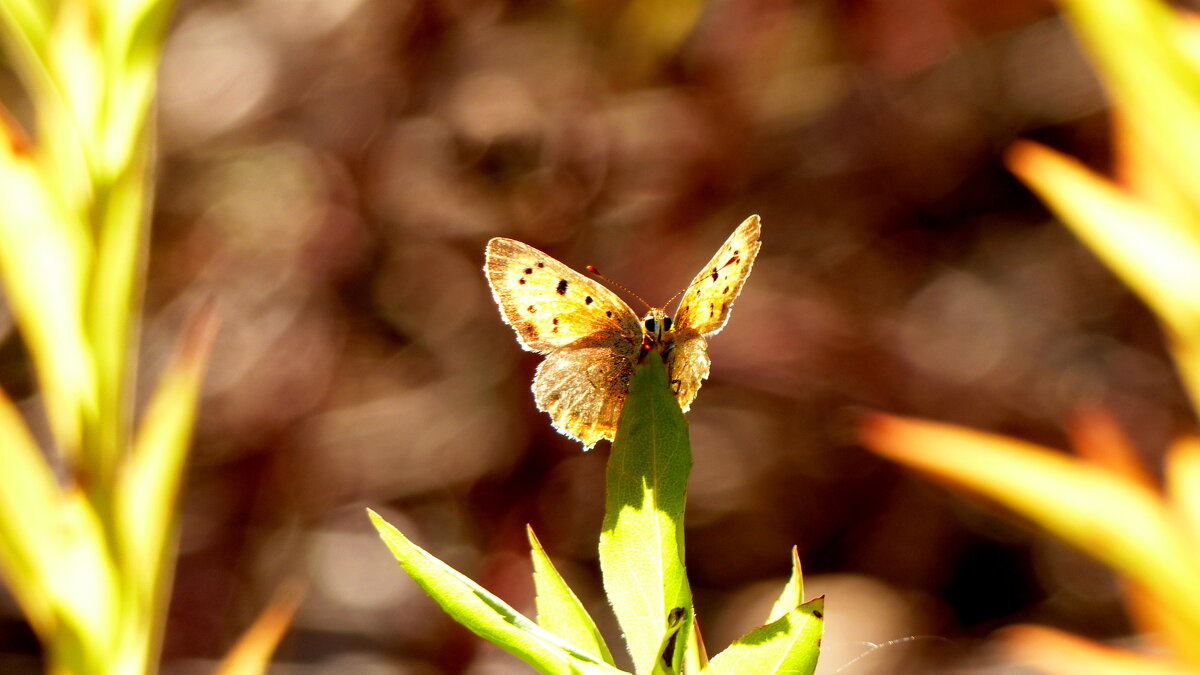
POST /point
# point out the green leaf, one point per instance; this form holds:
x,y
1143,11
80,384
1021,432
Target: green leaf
x,y
147,489
43,255
790,644
149,483
558,608
1139,50
486,615
28,22
84,586
641,545
793,591
29,509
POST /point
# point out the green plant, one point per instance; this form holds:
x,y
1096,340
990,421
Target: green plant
x,y
88,526
642,561
1146,227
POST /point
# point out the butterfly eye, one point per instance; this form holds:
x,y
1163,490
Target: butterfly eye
x,y
666,324
650,326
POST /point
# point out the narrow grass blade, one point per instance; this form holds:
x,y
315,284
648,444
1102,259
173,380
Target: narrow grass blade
x,y
1137,46
84,587
150,481
1154,257
29,505
148,485
486,615
1119,521
558,608
1182,476
790,644
252,653
641,544
114,304
43,251
1055,652
27,20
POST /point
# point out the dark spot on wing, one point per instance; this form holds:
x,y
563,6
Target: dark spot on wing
x,y
608,314
541,265
724,306
531,309
715,276
521,281
562,287
531,331
556,327
528,270
556,321
588,299
726,290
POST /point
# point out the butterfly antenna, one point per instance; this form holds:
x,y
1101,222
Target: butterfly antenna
x,y
677,294
596,273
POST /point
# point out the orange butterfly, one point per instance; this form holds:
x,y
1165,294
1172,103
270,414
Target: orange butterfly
x,y
592,339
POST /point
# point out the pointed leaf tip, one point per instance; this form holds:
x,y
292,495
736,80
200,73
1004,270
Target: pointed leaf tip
x,y
252,653
559,609
485,614
792,595
790,644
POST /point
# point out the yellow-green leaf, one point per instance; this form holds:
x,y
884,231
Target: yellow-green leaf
x,y
486,615
1119,521
790,644
1155,257
150,477
1136,47
29,506
1183,485
43,254
559,609
641,542
1053,651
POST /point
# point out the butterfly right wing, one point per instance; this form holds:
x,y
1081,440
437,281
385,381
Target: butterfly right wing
x,y
709,298
550,305
584,385
704,309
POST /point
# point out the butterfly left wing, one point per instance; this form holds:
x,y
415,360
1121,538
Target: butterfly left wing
x,y
705,309
548,304
584,385
590,337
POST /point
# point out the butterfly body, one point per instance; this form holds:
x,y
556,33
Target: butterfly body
x,y
592,339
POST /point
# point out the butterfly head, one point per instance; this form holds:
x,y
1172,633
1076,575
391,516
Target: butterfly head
x,y
657,326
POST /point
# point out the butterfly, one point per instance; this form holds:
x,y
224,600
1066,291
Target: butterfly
x,y
592,339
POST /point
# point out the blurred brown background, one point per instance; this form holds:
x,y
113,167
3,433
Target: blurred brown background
x,y
331,171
